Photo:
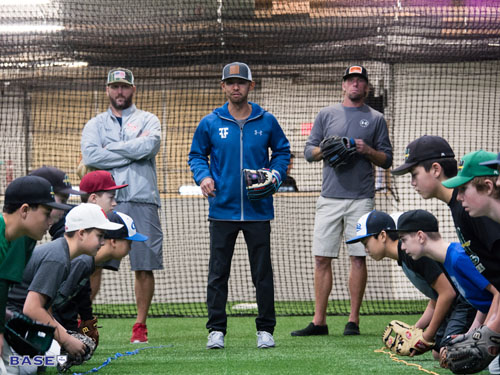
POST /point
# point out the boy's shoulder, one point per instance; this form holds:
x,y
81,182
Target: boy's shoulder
x,y
54,251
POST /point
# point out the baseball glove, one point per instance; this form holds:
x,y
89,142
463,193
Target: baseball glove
x,y
261,183
472,352
404,339
28,337
337,151
89,328
72,360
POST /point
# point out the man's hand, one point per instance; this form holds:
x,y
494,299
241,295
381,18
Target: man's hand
x,y
208,187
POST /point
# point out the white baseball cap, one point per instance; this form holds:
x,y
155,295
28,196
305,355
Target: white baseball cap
x,y
128,231
88,215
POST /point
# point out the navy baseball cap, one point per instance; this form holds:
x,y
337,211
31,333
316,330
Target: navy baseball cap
x,y
237,70
127,232
355,70
58,179
32,190
427,147
492,163
415,220
371,224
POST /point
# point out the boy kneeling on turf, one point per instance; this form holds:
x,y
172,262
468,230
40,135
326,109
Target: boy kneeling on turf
x,y
117,245
441,319
49,265
419,234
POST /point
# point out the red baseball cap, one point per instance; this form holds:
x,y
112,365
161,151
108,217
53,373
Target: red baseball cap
x,y
99,181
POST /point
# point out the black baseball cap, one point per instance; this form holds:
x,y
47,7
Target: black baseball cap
x,y
492,163
32,190
427,147
355,70
58,179
415,220
371,224
237,70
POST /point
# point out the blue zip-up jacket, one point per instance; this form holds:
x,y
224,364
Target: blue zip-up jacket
x,y
232,149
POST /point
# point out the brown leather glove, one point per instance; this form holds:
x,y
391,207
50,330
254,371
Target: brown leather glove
x,y
89,328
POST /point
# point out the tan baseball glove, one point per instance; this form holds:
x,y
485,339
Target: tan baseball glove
x,y
405,340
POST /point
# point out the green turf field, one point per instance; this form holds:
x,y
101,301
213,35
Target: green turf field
x,y
186,354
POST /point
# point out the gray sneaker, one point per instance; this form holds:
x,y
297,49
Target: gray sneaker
x,y
215,340
264,340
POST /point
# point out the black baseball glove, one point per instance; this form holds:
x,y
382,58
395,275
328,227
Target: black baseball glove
x,y
472,352
28,337
337,151
261,183
79,359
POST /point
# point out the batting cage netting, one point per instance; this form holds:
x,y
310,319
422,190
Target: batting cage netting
x,y
433,66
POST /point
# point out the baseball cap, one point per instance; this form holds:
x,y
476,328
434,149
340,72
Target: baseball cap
x,y
88,215
127,232
32,190
237,70
120,75
492,163
98,181
427,147
415,220
355,70
371,224
58,179
470,167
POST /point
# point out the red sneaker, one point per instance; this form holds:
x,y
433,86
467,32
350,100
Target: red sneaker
x,y
139,334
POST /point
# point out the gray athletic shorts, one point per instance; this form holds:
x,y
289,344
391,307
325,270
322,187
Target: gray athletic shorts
x,y
336,218
148,255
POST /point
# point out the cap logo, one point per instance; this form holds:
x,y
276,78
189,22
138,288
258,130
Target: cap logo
x,y
234,69
355,70
52,195
66,180
407,154
132,225
119,74
461,165
358,227
104,213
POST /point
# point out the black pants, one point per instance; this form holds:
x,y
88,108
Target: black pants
x,y
223,236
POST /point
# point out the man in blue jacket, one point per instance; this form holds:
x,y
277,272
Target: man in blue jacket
x,y
238,136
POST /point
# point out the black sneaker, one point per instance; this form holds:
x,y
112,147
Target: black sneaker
x,y
351,329
311,330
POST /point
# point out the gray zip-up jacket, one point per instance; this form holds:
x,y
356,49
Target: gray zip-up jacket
x,y
127,151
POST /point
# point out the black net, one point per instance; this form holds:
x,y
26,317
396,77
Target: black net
x,y
434,68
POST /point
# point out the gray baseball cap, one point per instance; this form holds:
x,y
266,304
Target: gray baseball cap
x,y
237,70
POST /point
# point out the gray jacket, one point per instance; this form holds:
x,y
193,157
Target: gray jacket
x,y
127,151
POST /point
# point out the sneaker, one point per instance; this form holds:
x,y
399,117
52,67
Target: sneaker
x,y
264,340
139,334
351,329
215,340
311,330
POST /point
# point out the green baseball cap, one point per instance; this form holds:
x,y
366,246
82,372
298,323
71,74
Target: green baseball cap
x,y
470,167
120,75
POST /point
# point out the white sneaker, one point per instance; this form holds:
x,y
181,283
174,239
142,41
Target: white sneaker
x,y
215,340
494,366
264,340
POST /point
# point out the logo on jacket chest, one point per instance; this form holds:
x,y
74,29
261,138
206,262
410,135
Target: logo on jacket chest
x,y
258,132
223,132
364,123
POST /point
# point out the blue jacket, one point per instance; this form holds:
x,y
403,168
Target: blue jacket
x,y
232,149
